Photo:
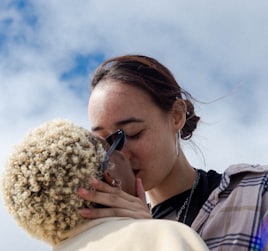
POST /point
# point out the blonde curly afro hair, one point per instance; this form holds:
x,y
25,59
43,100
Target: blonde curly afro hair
x,y
43,173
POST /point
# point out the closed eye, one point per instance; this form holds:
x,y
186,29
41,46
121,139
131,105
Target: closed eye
x,y
134,136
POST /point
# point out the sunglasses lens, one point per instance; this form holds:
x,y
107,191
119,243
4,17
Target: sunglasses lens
x,y
110,139
121,142
118,136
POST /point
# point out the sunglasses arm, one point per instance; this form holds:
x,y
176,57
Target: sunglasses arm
x,y
109,152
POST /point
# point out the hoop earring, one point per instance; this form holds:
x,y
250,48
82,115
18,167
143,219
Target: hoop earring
x,y
117,183
177,145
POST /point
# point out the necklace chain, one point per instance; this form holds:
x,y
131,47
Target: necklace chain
x,y
187,202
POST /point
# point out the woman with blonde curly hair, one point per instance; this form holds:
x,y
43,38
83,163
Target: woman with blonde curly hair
x,y
46,171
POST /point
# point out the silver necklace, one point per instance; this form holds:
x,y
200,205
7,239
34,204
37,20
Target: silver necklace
x,y
187,202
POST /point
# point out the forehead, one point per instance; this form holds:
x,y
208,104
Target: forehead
x,y
115,90
116,101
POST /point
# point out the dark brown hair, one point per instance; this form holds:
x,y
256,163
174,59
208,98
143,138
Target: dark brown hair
x,y
152,77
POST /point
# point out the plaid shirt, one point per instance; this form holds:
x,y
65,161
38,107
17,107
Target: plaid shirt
x,y
235,216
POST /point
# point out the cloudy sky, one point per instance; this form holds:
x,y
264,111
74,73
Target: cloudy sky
x,y
217,50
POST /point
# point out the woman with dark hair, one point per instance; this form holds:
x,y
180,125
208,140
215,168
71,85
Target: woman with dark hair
x,y
140,95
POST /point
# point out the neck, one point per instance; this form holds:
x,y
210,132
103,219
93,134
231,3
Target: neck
x,y
180,179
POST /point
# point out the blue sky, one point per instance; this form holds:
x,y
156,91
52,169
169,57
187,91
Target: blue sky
x,y
217,50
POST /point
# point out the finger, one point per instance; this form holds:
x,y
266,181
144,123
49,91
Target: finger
x,y
140,190
101,185
96,185
84,193
95,213
116,199
106,188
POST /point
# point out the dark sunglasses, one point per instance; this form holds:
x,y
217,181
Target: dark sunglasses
x,y
117,141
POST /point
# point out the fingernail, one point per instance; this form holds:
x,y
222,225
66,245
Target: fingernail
x,y
93,181
83,191
85,212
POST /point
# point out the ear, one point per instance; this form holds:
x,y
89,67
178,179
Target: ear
x,y
179,114
107,177
111,181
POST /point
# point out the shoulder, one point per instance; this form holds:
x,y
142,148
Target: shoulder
x,y
166,234
245,176
161,227
246,169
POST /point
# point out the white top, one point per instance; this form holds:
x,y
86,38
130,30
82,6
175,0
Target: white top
x,y
125,234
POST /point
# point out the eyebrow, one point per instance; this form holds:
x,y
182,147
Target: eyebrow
x,y
120,123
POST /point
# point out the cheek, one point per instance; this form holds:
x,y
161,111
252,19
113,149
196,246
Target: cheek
x,y
155,158
139,151
128,184
143,153
127,177
123,171
152,146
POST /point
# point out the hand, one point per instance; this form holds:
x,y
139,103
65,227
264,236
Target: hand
x,y
120,203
